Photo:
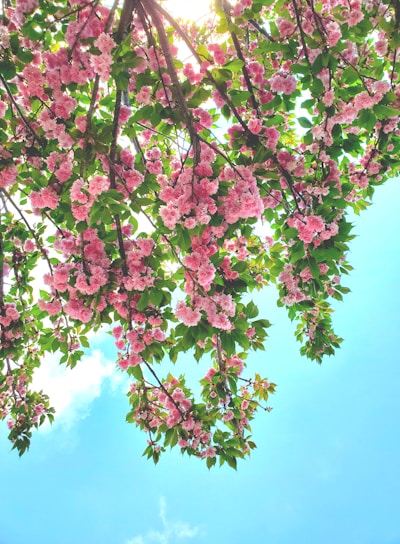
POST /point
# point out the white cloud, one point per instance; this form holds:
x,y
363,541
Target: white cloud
x,y
171,530
72,391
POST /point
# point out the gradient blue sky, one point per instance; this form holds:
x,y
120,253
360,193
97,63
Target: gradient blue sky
x,y
326,470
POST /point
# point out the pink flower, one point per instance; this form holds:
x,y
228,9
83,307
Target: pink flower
x,y
45,198
209,452
133,179
285,27
169,215
193,260
159,335
187,315
355,17
210,373
206,274
137,346
117,331
76,193
144,95
273,136
228,416
101,65
3,108
81,123
64,105
203,169
306,274
178,395
29,245
104,43
39,409
334,33
220,321
380,47
77,310
282,83
250,332
315,223
328,98
123,363
254,125
323,268
124,114
52,308
98,185
146,245
134,359
8,175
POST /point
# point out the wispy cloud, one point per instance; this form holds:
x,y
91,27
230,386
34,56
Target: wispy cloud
x,y
171,530
72,391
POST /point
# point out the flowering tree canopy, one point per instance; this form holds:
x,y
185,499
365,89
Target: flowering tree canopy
x,y
155,172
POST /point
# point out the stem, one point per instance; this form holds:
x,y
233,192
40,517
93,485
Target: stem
x,y
240,56
17,107
261,30
112,157
124,23
246,76
78,35
125,19
177,89
111,15
302,35
149,367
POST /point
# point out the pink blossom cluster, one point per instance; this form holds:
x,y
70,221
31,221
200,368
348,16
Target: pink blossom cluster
x,y
243,199
83,195
132,343
8,175
217,308
14,390
79,279
291,282
313,229
170,406
189,194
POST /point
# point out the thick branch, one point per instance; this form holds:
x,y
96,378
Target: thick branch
x,y
177,89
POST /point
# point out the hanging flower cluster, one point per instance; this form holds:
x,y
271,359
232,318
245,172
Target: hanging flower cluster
x,y
143,190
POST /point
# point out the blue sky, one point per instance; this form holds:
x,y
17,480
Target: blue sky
x,y
326,469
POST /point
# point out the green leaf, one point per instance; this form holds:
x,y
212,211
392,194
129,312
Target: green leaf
x,y
234,65
304,122
84,341
143,302
383,112
122,80
136,372
300,69
210,462
349,76
228,343
232,461
251,310
7,69
232,384
25,55
156,297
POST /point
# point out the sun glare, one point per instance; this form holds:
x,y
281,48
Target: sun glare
x,y
188,9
